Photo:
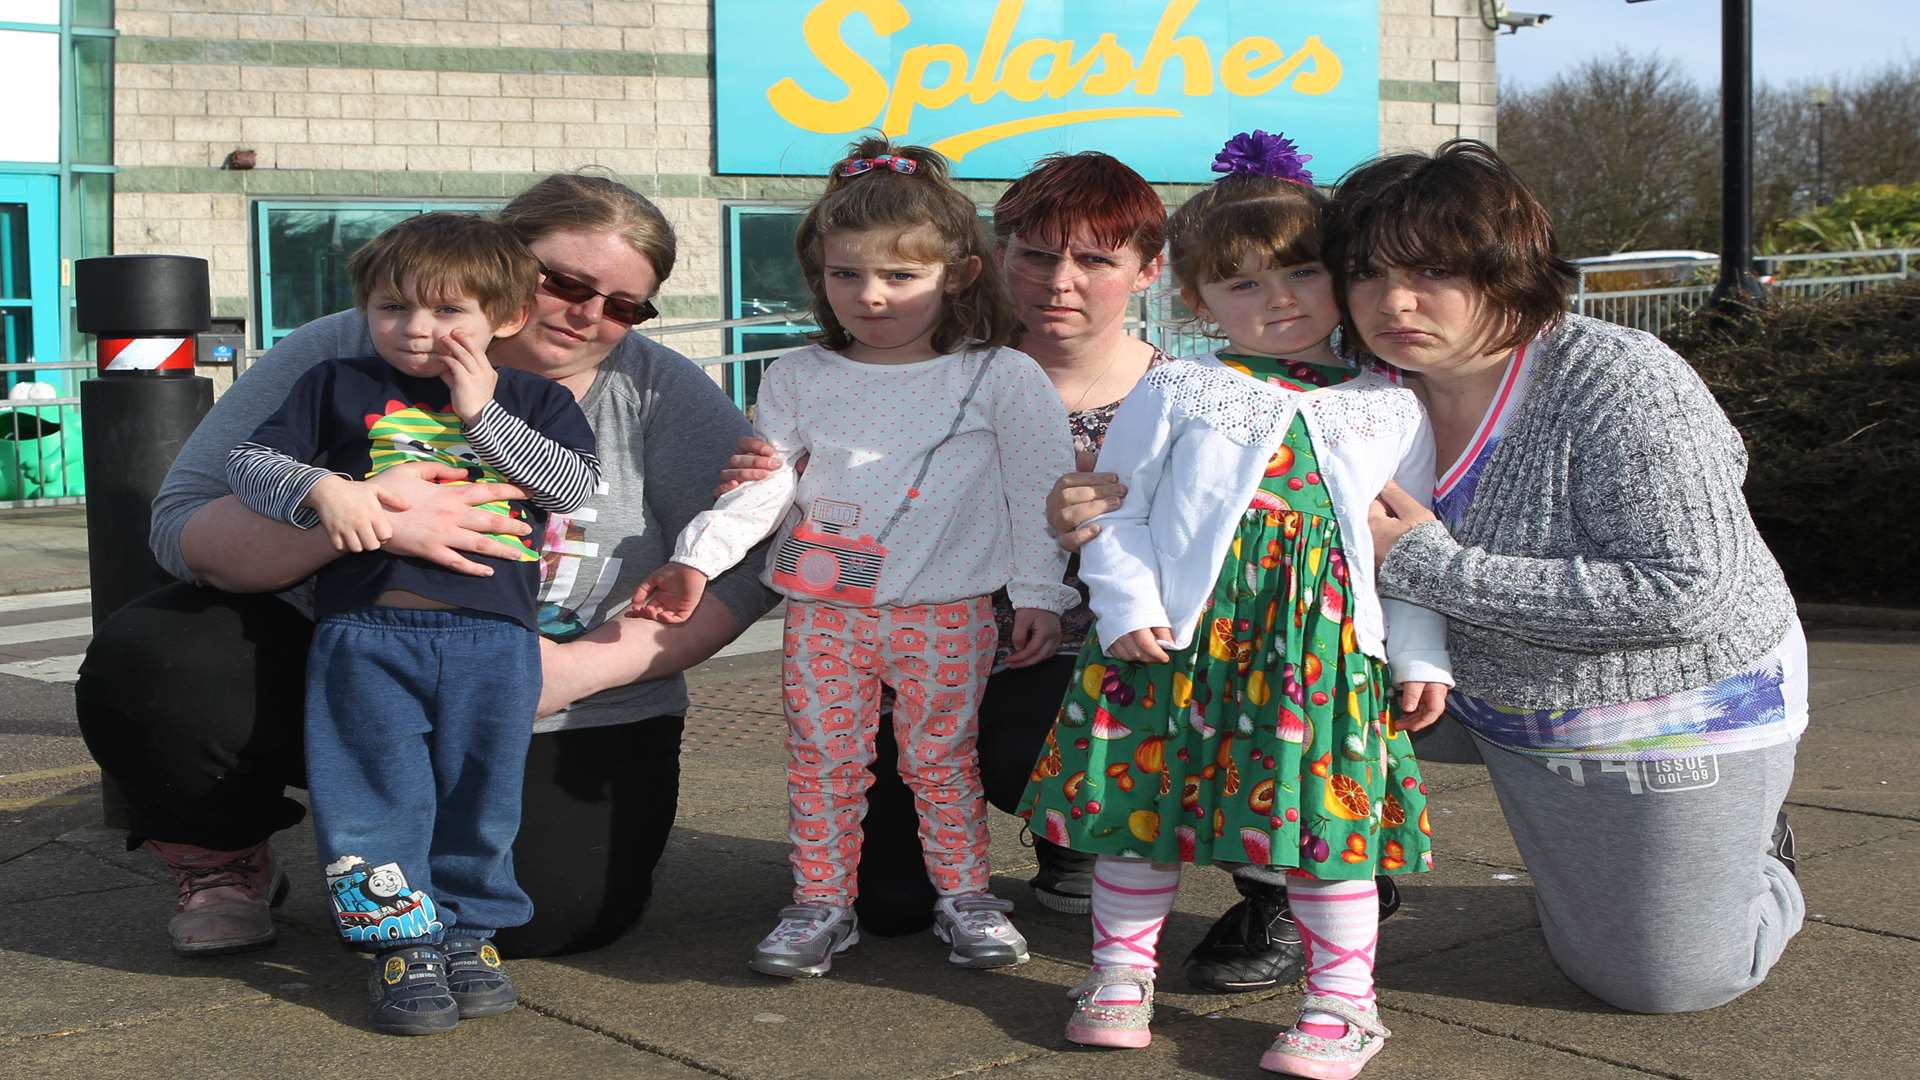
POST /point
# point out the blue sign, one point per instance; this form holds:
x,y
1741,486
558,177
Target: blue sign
x,y
996,84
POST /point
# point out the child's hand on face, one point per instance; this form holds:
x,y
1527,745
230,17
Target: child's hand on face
x,y
1143,646
1036,636
353,512
669,594
1421,703
469,375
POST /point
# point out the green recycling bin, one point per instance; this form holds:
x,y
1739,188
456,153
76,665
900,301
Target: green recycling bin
x,y
40,455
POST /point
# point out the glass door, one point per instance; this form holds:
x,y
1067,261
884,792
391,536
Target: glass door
x,y
29,274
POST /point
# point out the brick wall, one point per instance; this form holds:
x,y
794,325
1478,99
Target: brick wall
x,y
475,98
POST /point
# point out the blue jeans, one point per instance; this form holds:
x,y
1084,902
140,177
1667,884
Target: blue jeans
x,y
417,729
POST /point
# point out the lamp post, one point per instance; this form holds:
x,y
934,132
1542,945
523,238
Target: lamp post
x,y
1820,96
1737,288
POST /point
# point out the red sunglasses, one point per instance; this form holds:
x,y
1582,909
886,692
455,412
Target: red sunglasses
x,y
575,291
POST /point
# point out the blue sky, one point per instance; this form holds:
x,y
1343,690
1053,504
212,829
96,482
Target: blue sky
x,y
1793,40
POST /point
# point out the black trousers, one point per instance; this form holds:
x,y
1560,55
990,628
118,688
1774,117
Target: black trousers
x,y
1016,713
190,699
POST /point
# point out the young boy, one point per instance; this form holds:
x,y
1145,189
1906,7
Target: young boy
x,y
422,682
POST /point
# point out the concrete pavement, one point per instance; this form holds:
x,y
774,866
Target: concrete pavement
x,y
1465,983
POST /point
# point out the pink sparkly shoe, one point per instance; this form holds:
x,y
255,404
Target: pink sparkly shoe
x,y
1297,1053
1115,1025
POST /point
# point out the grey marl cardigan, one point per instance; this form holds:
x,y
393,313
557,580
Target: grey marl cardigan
x,y
1608,555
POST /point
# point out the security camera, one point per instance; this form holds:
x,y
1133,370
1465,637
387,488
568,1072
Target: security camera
x,y
1494,14
1514,20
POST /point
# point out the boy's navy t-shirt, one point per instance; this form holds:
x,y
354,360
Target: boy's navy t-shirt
x,y
360,416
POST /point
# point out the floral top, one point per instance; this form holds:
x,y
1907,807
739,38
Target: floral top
x,y
1089,427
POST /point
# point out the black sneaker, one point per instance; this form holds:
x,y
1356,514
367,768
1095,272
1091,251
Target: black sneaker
x,y
1255,945
1064,882
477,979
410,994
1783,844
1389,896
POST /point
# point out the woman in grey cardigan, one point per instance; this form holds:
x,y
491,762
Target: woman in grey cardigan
x,y
1628,660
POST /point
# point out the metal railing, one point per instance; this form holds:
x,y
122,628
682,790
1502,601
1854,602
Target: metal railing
x,y
40,447
46,453
1689,282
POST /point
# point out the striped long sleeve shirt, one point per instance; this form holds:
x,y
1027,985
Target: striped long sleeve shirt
x,y
358,417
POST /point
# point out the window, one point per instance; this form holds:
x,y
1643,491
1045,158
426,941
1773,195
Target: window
x,y
302,248
763,279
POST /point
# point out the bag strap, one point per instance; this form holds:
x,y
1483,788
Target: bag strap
x,y
926,460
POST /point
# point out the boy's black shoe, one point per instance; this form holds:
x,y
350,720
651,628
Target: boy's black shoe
x,y
410,994
1253,946
477,978
1256,945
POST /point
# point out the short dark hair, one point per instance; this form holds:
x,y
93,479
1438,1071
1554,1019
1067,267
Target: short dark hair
x,y
1460,209
1241,221
934,224
445,255
1064,191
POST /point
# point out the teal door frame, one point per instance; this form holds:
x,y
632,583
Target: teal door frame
x,y
40,194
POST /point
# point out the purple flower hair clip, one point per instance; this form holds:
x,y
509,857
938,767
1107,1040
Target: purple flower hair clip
x,y
1261,154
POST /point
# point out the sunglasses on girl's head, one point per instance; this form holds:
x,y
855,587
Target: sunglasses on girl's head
x,y
575,291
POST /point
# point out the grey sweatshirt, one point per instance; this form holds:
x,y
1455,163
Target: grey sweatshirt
x,y
1608,555
664,431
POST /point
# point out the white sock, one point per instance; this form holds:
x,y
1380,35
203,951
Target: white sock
x,y
1339,923
1131,899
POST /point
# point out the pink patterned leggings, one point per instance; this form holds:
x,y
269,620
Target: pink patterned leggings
x,y
936,657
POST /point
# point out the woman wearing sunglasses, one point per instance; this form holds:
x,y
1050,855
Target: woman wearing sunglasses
x,y
190,698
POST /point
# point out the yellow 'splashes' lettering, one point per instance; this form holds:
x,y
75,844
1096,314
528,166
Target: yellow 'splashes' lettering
x,y
866,87
1251,66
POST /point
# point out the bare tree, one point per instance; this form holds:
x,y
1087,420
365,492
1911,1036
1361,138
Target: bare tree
x,y
1617,149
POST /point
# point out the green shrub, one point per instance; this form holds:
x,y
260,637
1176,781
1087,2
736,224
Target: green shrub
x,y
1880,216
1827,395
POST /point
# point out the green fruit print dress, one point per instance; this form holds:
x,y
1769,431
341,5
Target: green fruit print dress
x,y
1269,739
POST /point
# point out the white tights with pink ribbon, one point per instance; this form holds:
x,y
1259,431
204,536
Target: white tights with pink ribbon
x,y
1131,899
1339,923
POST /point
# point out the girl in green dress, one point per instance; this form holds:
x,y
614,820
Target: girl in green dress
x,y
1237,703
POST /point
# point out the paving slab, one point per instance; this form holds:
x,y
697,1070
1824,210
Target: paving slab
x,y
1866,886
322,1032
102,959
1844,769
49,875
1877,650
1805,1021
1888,712
1828,687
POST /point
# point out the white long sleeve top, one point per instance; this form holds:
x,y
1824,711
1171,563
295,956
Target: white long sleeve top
x,y
976,519
1191,443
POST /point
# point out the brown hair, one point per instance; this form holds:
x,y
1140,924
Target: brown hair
x,y
1242,221
925,200
446,255
1462,210
1097,190
594,203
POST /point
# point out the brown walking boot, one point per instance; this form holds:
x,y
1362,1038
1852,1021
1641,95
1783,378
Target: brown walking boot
x,y
225,897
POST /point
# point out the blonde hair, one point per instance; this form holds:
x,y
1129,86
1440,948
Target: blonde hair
x,y
595,203
914,204
446,255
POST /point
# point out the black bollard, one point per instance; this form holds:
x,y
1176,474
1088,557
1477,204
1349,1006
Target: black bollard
x,y
145,310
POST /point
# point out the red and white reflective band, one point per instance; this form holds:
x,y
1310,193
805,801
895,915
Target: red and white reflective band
x,y
146,354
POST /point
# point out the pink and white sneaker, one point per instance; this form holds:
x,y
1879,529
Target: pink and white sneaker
x,y
1119,1024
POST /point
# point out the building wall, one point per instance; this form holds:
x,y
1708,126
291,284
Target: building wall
x,y
475,98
